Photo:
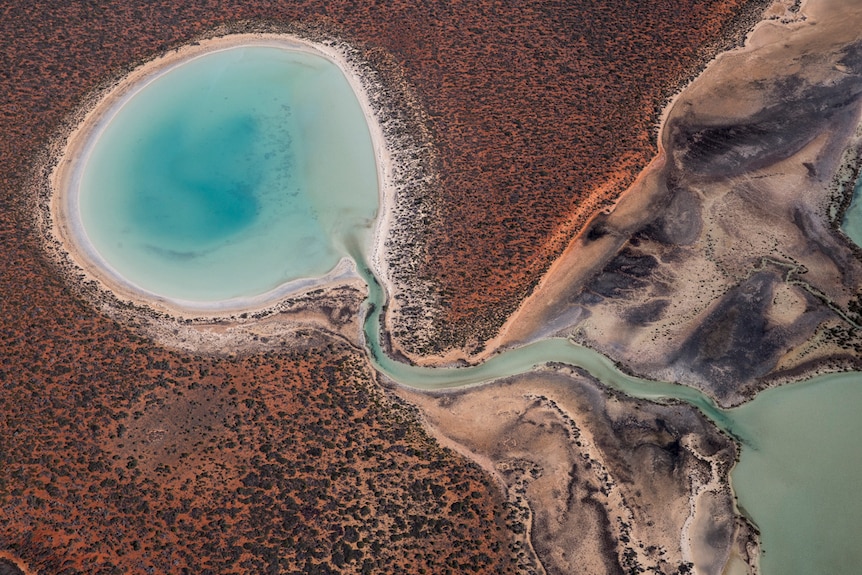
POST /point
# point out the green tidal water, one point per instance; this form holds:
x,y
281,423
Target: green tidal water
x,y
801,445
230,175
852,224
800,473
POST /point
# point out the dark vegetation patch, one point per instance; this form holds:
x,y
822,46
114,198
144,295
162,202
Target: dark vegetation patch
x,y
8,567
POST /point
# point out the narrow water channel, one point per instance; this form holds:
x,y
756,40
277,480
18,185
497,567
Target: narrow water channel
x,y
801,460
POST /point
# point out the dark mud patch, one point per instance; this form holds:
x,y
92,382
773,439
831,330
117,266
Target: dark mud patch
x,y
735,345
628,271
646,313
798,112
680,222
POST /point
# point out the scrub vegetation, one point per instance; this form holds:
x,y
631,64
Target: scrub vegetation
x,y
290,463
542,114
117,455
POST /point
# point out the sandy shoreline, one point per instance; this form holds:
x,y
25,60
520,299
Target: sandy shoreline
x,y
68,235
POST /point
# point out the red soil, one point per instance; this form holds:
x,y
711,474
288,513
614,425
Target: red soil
x,y
118,457
533,106
294,459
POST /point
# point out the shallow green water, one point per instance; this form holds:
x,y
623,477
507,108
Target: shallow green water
x,y
230,175
852,224
800,474
801,456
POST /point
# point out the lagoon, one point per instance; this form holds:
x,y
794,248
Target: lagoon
x,y
229,175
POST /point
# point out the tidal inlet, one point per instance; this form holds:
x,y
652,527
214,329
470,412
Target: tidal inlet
x,y
263,313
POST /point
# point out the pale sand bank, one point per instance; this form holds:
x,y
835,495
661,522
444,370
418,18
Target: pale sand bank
x,y
87,265
596,481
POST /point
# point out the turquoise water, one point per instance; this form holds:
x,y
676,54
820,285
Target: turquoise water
x,y
230,175
852,224
800,473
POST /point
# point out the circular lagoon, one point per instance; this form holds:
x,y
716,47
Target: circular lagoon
x,y
224,176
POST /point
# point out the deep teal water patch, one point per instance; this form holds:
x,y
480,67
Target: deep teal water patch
x,y
230,175
191,188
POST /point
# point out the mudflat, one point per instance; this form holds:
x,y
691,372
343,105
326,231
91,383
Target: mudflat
x,y
596,481
723,266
